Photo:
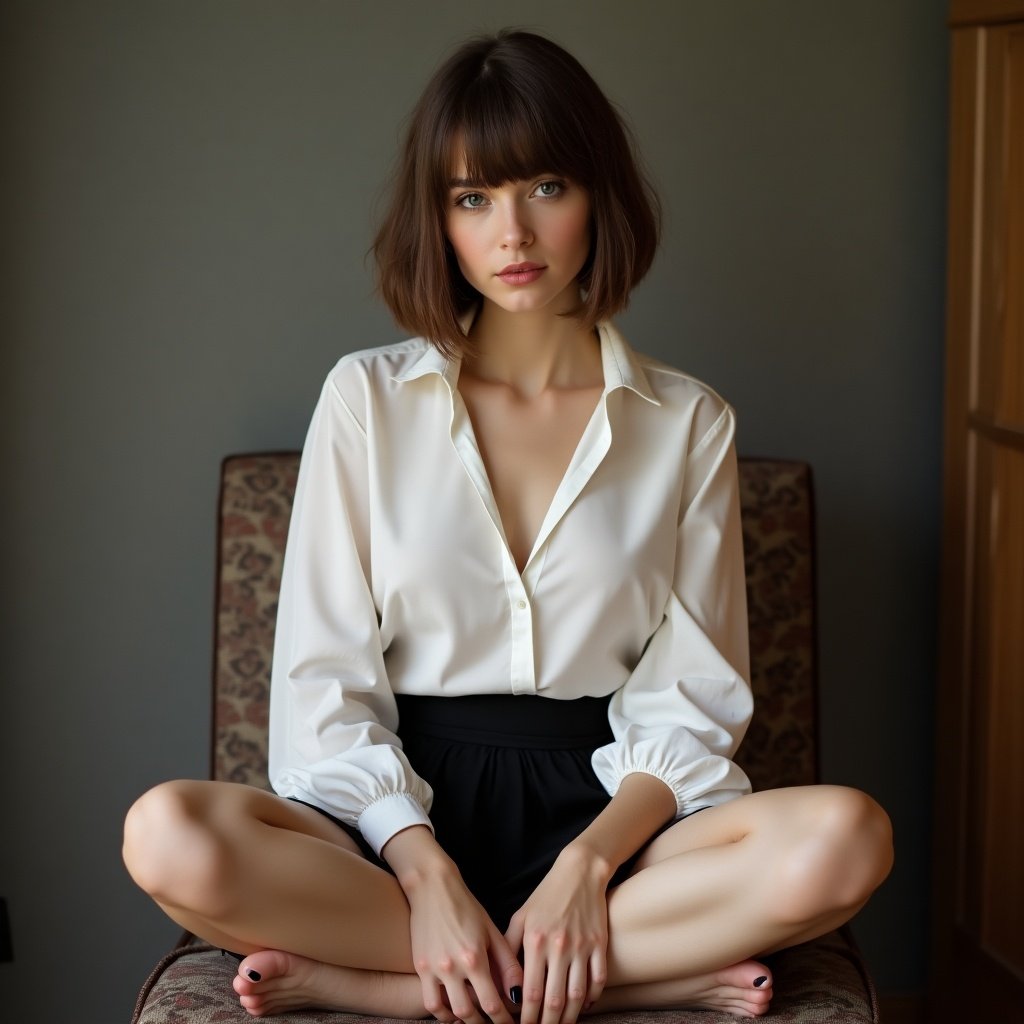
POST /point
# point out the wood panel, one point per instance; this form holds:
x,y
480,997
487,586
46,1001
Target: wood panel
x,y
978,949
998,365
998,661
984,12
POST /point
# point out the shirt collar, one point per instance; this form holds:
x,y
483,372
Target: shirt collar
x,y
431,361
620,364
434,361
622,367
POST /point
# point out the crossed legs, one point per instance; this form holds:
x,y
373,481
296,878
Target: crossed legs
x,y
254,873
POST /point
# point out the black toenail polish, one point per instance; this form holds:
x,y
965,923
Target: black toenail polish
x,y
256,976
758,982
515,993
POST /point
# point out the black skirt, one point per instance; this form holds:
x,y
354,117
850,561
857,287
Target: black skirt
x,y
513,785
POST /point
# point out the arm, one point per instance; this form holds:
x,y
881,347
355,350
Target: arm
x,y
332,712
687,703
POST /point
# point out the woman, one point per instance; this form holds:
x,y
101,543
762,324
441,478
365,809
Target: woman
x,y
511,655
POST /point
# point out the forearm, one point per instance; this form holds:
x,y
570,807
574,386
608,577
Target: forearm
x,y
641,805
417,859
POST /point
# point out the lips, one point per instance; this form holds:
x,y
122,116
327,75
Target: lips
x,y
521,273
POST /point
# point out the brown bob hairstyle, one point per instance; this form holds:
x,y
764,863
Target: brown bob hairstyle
x,y
514,105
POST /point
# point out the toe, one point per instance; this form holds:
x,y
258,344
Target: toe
x,y
749,976
263,966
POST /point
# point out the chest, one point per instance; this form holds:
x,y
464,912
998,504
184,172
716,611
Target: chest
x,y
526,446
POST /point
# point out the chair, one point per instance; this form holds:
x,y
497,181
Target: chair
x,y
820,981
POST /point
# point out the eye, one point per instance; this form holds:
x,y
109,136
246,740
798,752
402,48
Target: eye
x,y
550,189
471,201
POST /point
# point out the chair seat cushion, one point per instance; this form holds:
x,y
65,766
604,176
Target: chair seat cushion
x,y
819,982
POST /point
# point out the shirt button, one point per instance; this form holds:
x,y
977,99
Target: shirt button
x,y
521,605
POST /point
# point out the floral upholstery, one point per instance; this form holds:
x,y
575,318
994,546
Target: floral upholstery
x,y
820,981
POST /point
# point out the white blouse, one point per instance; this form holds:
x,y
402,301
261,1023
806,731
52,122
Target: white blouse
x,y
398,579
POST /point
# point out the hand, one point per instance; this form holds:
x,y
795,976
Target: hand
x,y
463,961
563,932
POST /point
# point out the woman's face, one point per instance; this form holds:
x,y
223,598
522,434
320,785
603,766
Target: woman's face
x,y
523,244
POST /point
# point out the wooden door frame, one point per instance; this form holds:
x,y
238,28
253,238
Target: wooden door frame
x,y
952,954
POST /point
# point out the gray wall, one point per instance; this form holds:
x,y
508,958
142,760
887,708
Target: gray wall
x,y
187,200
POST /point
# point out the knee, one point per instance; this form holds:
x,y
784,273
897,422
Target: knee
x,y
841,850
171,848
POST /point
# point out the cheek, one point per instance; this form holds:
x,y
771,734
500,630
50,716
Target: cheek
x,y
465,244
573,233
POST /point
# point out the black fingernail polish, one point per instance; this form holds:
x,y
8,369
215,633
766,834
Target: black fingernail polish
x,y
758,982
515,993
256,976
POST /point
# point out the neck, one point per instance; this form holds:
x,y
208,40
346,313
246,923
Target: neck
x,y
533,352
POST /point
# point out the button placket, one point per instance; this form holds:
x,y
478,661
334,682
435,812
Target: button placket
x,y
522,668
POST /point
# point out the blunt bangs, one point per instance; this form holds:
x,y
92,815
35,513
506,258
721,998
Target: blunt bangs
x,y
511,107
508,130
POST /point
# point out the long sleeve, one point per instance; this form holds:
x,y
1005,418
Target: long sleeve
x,y
685,707
332,711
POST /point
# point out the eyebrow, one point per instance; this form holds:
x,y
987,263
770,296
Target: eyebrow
x,y
465,183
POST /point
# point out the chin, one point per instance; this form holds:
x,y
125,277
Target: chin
x,y
532,303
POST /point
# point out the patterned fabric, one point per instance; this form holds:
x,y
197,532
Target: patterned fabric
x,y
255,507
820,982
780,748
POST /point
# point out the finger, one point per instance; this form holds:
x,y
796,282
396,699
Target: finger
x,y
514,931
508,969
598,975
554,993
488,998
576,991
478,981
483,989
461,1002
533,978
434,1001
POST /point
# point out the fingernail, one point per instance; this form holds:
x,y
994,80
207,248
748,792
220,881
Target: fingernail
x,y
256,976
515,993
758,982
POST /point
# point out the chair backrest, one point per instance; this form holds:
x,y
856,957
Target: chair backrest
x,y
778,523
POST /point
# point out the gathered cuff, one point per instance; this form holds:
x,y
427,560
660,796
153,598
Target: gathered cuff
x,y
612,780
389,815
711,781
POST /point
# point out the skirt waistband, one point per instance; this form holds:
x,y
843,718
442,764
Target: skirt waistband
x,y
507,720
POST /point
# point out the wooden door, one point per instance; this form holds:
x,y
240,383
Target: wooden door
x,y
978,961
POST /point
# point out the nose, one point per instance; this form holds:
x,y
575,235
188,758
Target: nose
x,y
515,228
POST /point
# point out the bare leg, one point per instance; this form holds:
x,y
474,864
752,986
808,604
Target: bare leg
x,y
251,871
758,874
807,860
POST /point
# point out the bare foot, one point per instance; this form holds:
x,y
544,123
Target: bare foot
x,y
272,982
733,989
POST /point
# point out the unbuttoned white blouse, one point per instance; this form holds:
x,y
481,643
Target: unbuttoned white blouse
x,y
398,579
